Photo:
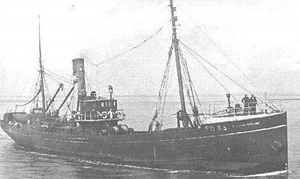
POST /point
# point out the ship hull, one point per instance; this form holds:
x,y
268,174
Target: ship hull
x,y
257,145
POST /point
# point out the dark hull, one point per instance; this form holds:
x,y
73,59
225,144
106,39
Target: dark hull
x,y
252,146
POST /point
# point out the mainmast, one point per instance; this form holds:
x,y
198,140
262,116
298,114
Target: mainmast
x,y
175,41
41,71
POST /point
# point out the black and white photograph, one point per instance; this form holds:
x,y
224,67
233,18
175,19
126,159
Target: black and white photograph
x,y
154,89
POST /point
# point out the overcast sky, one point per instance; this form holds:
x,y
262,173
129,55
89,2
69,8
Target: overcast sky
x,y
261,37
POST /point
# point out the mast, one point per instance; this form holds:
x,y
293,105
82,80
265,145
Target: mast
x,y
41,71
179,76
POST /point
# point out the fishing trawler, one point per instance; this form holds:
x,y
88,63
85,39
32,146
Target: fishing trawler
x,y
234,140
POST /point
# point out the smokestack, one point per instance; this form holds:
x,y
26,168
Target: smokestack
x,y
79,73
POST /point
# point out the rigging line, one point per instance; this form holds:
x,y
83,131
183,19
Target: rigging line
x,y
87,81
56,80
213,66
69,102
190,51
48,95
226,56
52,78
188,88
19,96
68,105
201,106
218,48
167,83
31,99
51,75
190,80
96,64
111,11
192,88
59,77
137,46
15,86
47,89
160,2
37,87
166,73
134,8
34,88
90,63
186,77
199,102
226,75
164,84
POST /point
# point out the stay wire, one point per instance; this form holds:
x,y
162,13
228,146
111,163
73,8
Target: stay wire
x,y
126,51
52,78
61,78
30,100
19,96
192,53
221,51
226,75
164,85
186,77
189,79
226,56
87,81
68,105
192,87
37,87
120,54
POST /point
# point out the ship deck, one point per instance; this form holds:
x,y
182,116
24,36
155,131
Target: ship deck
x,y
240,117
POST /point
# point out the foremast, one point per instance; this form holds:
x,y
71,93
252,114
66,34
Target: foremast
x,y
184,115
42,88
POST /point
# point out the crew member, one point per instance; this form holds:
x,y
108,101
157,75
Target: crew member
x,y
179,117
154,126
252,103
245,101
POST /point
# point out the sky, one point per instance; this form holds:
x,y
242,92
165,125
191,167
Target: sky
x,y
260,37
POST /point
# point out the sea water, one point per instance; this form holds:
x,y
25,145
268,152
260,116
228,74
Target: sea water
x,y
17,162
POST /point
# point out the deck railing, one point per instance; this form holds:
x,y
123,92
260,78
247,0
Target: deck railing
x,y
222,109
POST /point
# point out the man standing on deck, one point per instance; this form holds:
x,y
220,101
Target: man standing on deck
x,y
252,104
245,101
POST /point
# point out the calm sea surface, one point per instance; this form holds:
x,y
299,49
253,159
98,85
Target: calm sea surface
x,y
17,162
